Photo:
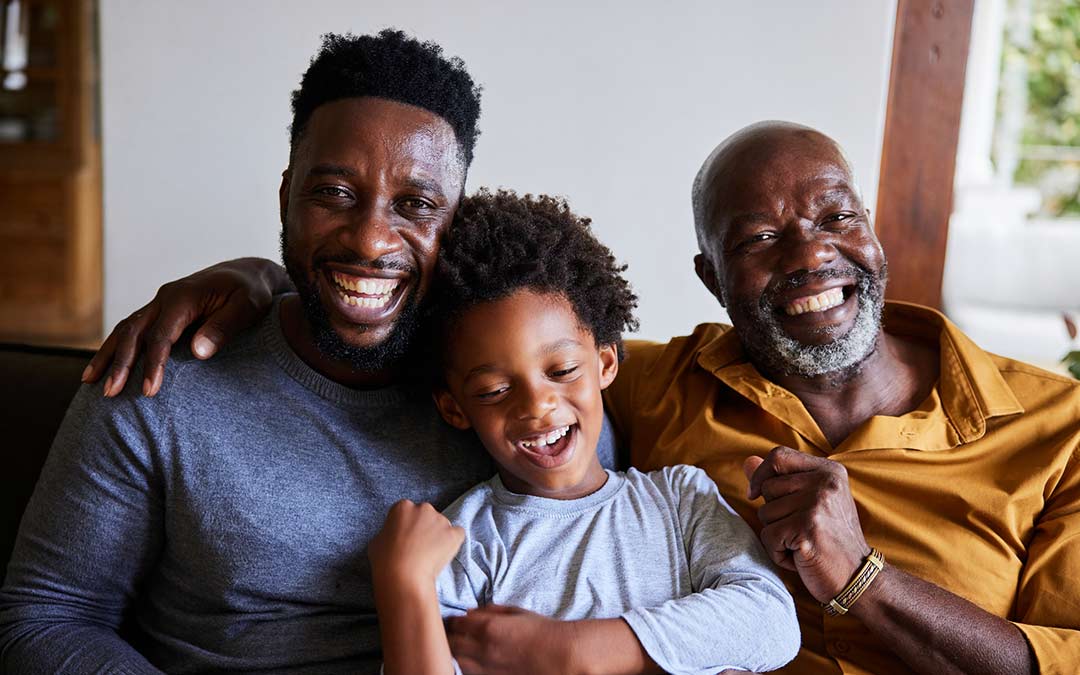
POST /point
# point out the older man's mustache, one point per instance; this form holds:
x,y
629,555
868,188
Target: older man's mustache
x,y
802,278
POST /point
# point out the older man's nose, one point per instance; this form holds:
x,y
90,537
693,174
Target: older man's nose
x,y
806,249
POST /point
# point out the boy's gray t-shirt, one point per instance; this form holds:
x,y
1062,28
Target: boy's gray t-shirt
x,y
662,550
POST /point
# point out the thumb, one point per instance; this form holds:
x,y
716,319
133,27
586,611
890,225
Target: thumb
x,y
749,467
222,326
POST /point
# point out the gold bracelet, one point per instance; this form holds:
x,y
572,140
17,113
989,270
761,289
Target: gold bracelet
x,y
858,584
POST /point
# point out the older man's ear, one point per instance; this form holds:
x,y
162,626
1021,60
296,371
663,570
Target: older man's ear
x,y
707,273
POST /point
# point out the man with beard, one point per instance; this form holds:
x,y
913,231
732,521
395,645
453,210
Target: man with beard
x,y
925,500
222,526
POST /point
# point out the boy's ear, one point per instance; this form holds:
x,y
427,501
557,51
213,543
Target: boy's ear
x,y
609,364
450,410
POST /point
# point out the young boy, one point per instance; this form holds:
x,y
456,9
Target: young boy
x,y
656,571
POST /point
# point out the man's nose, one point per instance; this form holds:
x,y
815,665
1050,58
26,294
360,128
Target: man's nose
x,y
806,249
536,400
371,232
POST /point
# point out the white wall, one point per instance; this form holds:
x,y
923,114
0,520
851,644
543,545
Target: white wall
x,y
613,105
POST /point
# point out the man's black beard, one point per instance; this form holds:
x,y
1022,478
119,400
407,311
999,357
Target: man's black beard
x,y
383,356
774,352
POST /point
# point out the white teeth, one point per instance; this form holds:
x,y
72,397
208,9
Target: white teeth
x,y
833,297
370,287
354,301
548,438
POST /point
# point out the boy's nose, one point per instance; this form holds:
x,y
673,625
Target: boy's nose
x,y
538,401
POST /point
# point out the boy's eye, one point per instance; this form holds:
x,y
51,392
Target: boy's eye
x,y
491,393
563,372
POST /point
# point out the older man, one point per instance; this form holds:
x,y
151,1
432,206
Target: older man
x,y
926,500
960,469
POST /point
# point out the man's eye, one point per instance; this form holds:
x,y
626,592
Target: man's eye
x,y
759,237
838,217
334,191
415,204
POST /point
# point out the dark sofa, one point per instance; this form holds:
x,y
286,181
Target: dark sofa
x,y
37,385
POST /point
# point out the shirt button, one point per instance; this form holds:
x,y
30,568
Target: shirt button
x,y
841,647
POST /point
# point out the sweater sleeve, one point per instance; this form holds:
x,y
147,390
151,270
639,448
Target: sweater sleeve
x,y
740,615
90,534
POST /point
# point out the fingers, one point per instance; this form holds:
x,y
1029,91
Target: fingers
x,y
159,340
128,334
781,460
237,313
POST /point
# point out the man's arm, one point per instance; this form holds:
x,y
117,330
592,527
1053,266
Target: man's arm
x,y
90,535
227,297
811,526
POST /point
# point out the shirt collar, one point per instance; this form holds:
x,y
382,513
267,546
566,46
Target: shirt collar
x,y
970,390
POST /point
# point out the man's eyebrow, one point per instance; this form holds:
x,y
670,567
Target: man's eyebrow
x,y
331,170
424,184
744,219
834,194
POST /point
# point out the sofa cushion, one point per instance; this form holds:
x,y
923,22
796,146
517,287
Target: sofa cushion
x,y
38,384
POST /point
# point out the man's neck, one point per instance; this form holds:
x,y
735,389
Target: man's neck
x,y
301,338
894,380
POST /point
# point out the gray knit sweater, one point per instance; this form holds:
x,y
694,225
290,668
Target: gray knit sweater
x,y
223,524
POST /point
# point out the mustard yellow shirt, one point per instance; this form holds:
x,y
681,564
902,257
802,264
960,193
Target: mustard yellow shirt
x,y
977,490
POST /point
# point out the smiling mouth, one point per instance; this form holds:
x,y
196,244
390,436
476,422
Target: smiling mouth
x,y
367,292
550,449
821,302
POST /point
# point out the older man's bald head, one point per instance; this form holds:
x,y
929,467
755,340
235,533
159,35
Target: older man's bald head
x,y
747,157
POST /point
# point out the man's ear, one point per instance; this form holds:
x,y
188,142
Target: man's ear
x,y
609,364
283,194
450,410
707,273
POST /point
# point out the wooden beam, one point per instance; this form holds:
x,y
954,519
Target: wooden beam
x,y
918,158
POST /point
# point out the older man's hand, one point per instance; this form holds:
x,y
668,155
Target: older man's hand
x,y
809,521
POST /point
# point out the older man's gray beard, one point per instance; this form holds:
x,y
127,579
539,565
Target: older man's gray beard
x,y
775,352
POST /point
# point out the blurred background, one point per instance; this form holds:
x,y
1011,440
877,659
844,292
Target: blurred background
x,y
142,140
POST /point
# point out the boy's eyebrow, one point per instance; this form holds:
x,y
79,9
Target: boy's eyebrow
x,y
559,345
549,348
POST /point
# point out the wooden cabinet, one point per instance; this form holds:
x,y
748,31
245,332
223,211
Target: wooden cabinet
x,y
50,173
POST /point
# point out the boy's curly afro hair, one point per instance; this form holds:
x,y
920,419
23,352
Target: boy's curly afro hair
x,y
500,243
393,66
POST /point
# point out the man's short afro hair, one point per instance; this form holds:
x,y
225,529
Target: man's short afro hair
x,y
393,66
500,243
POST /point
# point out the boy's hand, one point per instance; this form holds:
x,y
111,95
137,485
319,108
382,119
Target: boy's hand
x,y
416,542
499,640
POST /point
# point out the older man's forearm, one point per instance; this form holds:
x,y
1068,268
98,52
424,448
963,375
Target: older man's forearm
x,y
935,631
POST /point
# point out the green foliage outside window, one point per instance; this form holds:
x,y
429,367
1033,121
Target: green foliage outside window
x,y
1052,122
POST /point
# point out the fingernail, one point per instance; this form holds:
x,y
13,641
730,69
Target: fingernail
x,y
203,347
86,373
108,385
147,386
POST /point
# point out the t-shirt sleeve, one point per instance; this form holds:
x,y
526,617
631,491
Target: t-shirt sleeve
x,y
740,615
90,535
1047,604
